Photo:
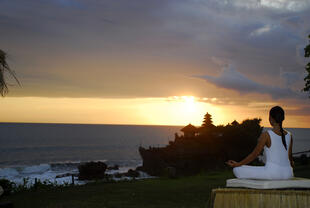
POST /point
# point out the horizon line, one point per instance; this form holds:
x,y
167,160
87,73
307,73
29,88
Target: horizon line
x,y
122,124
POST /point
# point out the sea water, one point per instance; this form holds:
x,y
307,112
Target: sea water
x,y
44,151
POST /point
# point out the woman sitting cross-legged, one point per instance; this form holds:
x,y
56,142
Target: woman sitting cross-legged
x,y
277,144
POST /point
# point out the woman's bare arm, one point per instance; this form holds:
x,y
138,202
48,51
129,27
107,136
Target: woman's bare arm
x,y
290,155
262,140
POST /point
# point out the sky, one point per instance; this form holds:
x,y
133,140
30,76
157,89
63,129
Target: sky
x,y
163,62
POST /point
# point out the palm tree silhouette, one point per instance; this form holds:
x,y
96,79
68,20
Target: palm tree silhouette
x,y
4,67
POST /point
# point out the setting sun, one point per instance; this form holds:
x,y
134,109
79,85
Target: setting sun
x,y
189,103
176,110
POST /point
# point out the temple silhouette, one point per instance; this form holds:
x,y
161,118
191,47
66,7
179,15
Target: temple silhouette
x,y
202,148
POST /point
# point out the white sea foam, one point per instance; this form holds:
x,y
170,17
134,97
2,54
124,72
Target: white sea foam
x,y
48,172
42,172
8,172
36,169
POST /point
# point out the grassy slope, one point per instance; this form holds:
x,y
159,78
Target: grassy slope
x,y
191,191
160,192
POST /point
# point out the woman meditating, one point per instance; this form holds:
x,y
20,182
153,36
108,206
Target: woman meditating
x,y
277,144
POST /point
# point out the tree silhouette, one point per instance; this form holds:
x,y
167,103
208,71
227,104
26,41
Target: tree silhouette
x,y
207,121
4,67
307,78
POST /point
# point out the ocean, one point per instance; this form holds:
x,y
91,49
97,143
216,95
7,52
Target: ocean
x,y
43,151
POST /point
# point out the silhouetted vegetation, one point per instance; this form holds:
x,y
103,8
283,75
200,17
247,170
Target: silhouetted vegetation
x,y
7,186
307,78
10,187
207,150
4,67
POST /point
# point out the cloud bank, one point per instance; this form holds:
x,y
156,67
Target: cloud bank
x,y
146,48
231,79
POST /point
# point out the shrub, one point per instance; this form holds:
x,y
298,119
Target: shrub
x,y
8,186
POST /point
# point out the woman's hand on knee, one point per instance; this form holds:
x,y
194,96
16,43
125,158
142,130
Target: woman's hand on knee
x,y
232,163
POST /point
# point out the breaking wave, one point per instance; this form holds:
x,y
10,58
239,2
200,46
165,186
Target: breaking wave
x,y
49,172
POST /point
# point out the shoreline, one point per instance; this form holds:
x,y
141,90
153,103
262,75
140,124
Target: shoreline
x,y
51,172
110,124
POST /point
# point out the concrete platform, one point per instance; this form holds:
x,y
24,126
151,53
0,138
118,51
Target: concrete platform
x,y
303,183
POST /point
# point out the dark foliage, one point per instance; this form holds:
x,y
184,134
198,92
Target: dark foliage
x,y
4,67
303,159
307,78
7,186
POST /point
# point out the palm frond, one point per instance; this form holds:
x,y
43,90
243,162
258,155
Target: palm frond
x,y
4,67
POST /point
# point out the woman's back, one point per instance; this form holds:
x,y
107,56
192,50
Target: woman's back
x,y
276,153
277,164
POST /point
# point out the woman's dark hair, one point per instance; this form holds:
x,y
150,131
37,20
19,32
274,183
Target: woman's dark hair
x,y
277,113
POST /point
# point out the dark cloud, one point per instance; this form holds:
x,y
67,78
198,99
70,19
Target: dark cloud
x,y
290,78
233,80
140,48
301,111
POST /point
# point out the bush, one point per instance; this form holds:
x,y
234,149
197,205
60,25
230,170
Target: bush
x,y
8,186
303,159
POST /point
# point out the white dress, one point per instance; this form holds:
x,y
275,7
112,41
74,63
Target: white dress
x,y
277,164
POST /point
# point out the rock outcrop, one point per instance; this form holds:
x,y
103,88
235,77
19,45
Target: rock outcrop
x,y
92,170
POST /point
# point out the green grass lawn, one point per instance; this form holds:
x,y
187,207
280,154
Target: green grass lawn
x,y
193,191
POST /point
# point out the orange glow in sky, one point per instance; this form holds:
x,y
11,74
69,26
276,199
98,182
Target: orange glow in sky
x,y
155,62
174,110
